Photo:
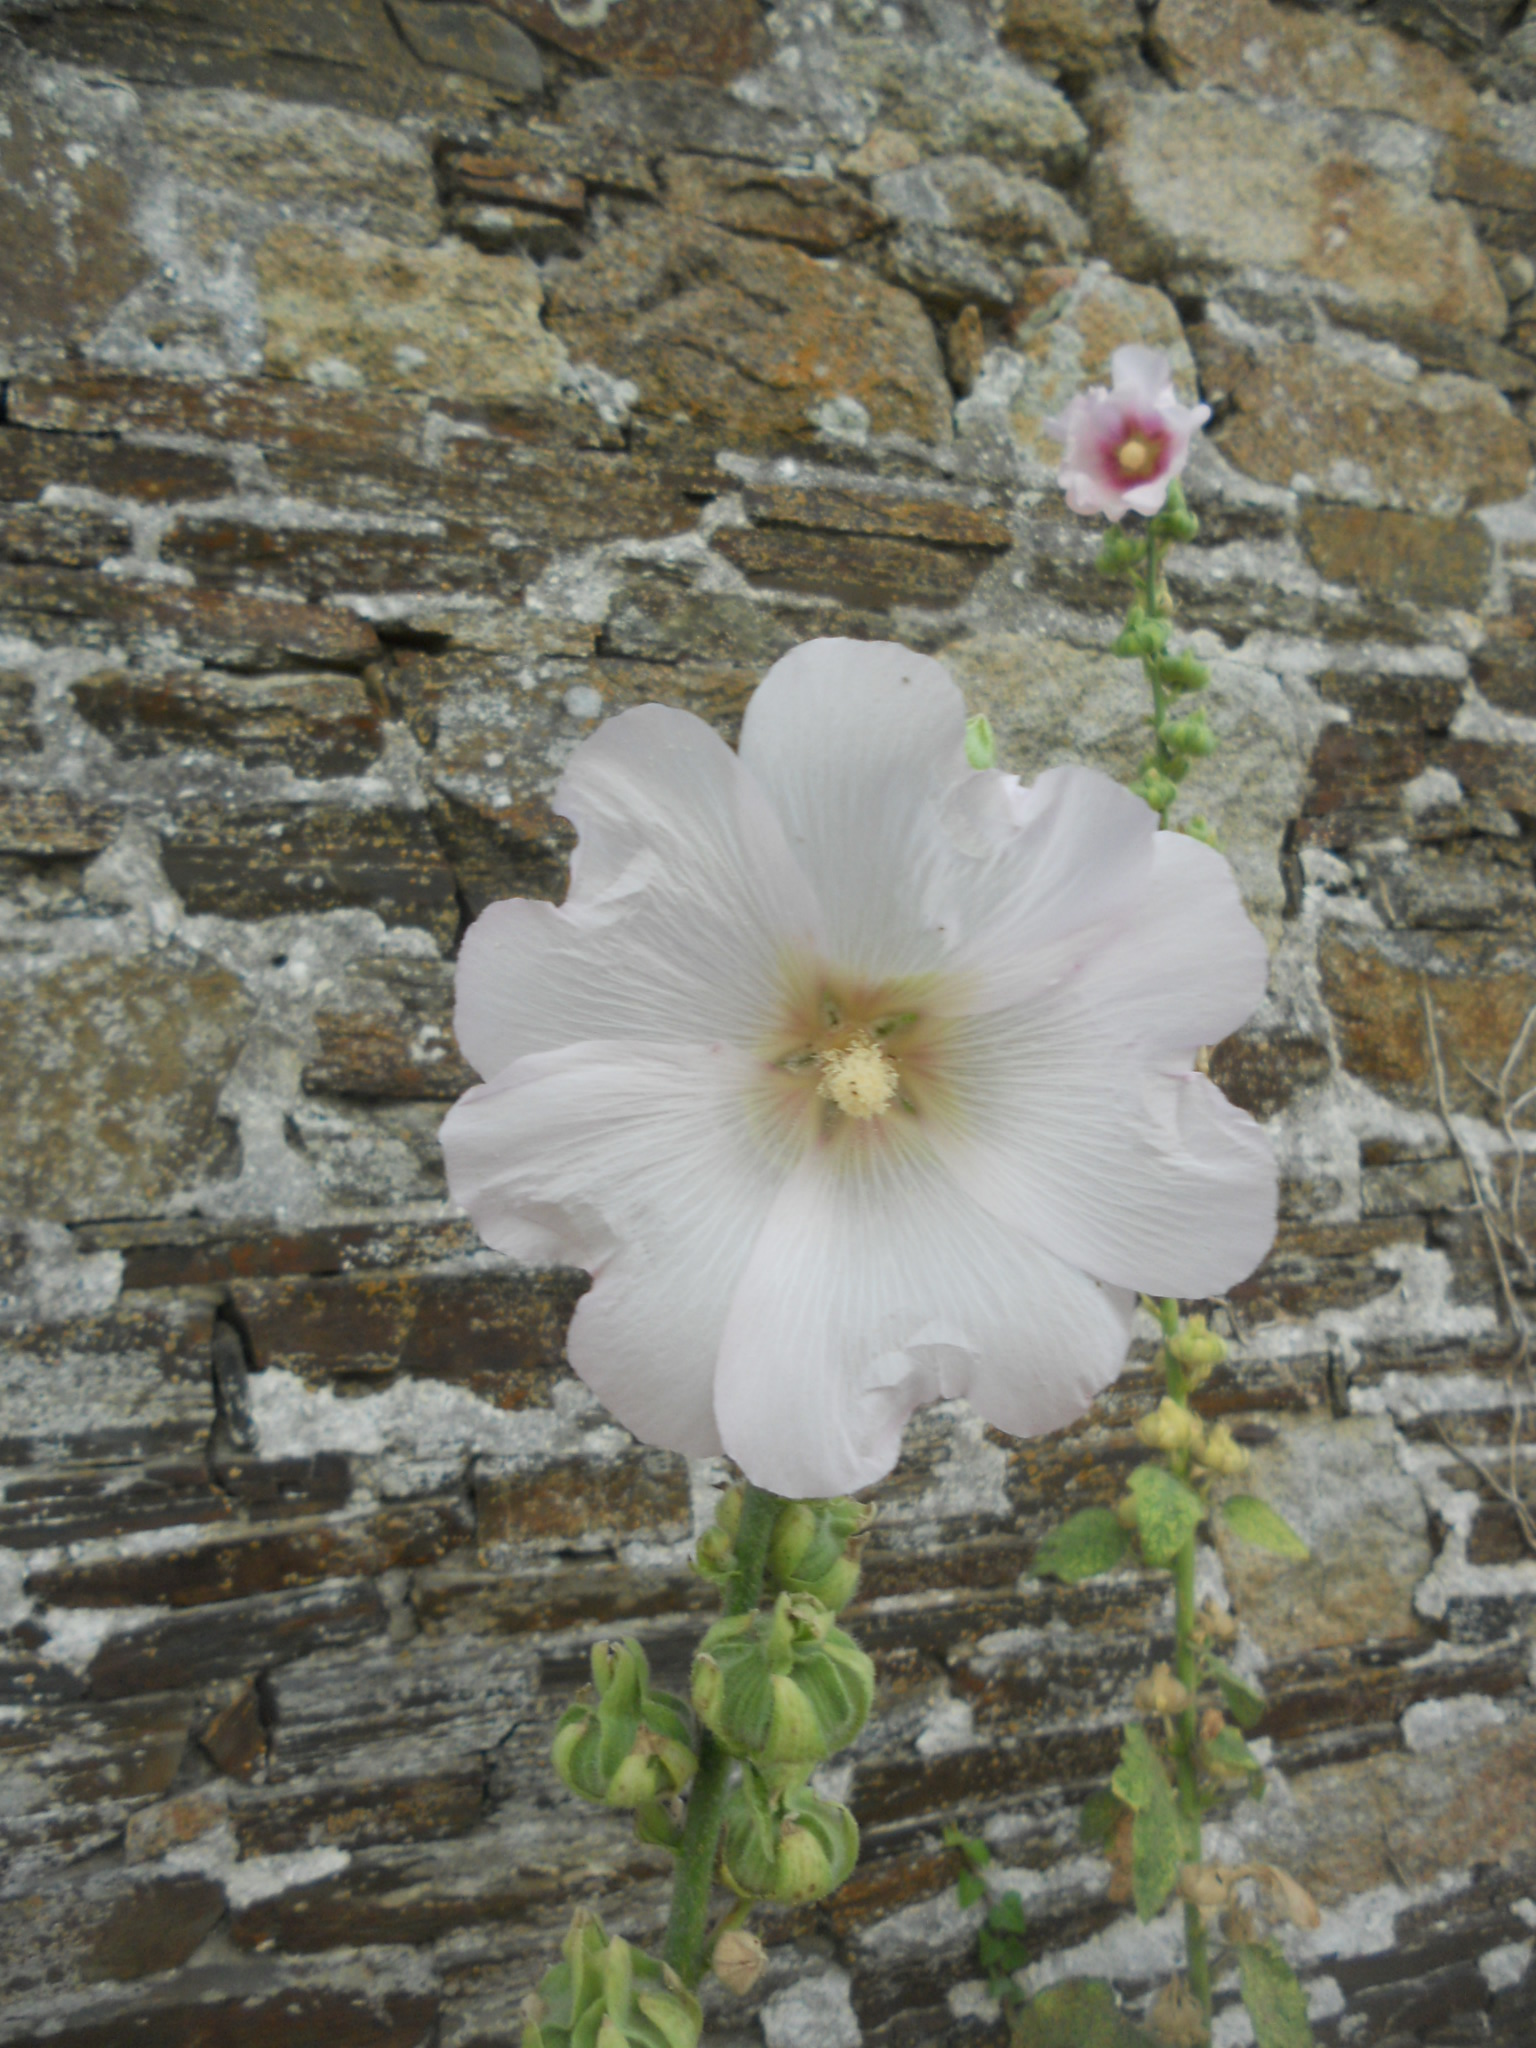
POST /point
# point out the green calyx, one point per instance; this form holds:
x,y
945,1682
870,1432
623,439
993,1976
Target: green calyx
x,y
787,1846
783,1687
627,1746
815,1549
605,1994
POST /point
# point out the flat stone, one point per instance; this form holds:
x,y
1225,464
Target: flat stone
x,y
75,536
1201,185
1071,37
294,858
742,338
392,1035
53,824
642,1495
39,1508
619,123
235,1639
967,195
68,252
1253,47
116,1066
954,103
474,41
818,214
116,1925
1262,1071
315,725
1373,992
1367,1530
1406,557
309,161
353,310
318,559
1305,417
707,39
1063,345
1316,1266
110,1390
18,734
502,1335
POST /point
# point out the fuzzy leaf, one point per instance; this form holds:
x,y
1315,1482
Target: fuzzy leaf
x,y
1256,1522
1157,1834
1099,1818
1245,1702
1085,1545
1082,2011
1167,1512
1276,2003
1231,1757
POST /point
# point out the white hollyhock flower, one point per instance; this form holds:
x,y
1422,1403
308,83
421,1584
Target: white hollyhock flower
x,y
1124,446
857,1078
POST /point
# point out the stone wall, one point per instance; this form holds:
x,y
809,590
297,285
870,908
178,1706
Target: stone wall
x,y
394,388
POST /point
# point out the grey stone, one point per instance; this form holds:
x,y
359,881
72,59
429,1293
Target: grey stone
x,y
474,40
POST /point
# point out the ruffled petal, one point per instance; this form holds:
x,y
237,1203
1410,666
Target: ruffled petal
x,y
876,1286
858,746
684,912
651,1166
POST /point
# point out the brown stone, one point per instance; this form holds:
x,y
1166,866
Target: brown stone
x,y
1252,47
293,858
393,1038
1292,202
235,1738
235,1639
317,561
571,496
1505,664
426,1806
53,824
1402,556
642,1494
64,1506
710,39
315,725
344,2006
116,1067
1317,1266
1436,444
73,536
83,399
856,570
114,1926
818,214
1377,1005
208,625
356,310
1071,36
743,338
18,733
154,1830
67,249
470,42
1262,1071
500,1334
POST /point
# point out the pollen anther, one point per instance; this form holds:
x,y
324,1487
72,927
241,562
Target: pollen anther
x,y
1136,456
858,1077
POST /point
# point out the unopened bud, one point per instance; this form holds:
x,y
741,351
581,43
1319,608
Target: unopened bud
x,y
1221,1452
628,1746
789,1846
785,1688
1162,1693
1170,1427
1205,1885
739,1960
815,1549
1215,1623
1188,735
1155,788
1292,1899
1198,1349
1212,1721
608,1995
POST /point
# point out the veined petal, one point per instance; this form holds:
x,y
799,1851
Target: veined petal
x,y
877,1285
858,746
684,912
648,1165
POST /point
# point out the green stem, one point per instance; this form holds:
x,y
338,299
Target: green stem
x,y
688,1922
1187,1731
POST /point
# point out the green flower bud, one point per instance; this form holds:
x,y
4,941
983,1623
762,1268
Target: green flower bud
x,y
1175,521
791,1846
980,746
1155,788
1198,1350
1189,735
1141,634
815,1548
785,1688
1181,672
1120,551
1201,829
630,1746
604,1994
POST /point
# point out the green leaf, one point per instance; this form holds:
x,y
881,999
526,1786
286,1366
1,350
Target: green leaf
x,y
1082,2011
1007,1915
1167,1512
1085,1545
1099,1818
1231,1757
971,1847
1276,2003
1257,1523
969,1887
1245,1702
1157,1833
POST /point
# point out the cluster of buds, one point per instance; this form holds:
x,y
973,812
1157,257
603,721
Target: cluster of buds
x,y
1197,1350
789,1845
621,1744
814,1548
604,1994
783,1687
1174,1428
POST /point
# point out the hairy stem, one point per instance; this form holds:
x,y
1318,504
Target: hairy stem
x,y
1187,1733
688,1922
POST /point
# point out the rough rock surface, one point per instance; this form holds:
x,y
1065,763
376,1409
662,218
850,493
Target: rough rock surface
x,y
392,389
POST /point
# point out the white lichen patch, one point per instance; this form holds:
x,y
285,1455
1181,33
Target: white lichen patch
x,y
1445,1724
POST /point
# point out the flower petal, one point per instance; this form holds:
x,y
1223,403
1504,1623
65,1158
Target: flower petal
x,y
684,904
858,745
647,1165
877,1286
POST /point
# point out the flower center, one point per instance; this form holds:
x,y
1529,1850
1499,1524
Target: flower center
x,y
858,1077
1137,456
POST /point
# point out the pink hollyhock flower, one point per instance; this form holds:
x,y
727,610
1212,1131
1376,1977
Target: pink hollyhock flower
x,y
856,1077
1124,447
